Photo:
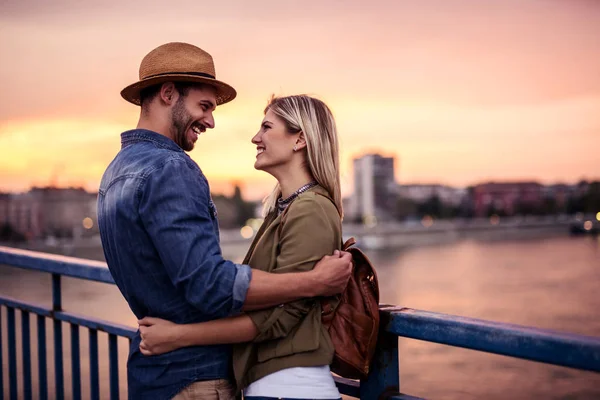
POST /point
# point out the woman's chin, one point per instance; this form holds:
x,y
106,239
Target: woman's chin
x,y
264,168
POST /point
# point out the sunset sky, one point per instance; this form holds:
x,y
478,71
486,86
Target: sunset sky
x,y
460,92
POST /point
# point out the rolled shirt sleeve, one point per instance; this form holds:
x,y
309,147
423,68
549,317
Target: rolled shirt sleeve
x,y
240,287
308,233
174,208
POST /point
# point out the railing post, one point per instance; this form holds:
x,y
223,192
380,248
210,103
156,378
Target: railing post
x,y
1,360
26,355
384,376
58,347
42,365
75,363
56,294
113,360
12,353
94,379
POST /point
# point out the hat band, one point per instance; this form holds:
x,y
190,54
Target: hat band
x,y
202,74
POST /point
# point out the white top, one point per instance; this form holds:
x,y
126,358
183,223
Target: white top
x,y
296,383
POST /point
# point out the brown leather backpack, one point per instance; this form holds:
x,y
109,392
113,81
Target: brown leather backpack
x,y
354,324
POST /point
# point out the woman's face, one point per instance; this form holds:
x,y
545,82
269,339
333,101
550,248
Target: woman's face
x,y
274,144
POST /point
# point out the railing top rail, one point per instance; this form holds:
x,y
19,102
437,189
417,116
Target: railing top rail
x,y
547,346
73,318
56,264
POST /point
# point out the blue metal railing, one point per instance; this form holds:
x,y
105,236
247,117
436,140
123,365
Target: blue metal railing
x,y
58,266
564,349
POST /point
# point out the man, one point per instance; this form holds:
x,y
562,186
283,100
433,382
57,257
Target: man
x,y
160,234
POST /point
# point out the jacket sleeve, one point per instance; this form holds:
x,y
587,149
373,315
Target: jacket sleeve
x,y
310,230
174,207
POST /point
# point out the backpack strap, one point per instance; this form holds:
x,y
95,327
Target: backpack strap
x,y
349,243
327,307
327,303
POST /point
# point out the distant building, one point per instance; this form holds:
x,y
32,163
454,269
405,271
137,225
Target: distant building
x,y
43,212
420,193
347,204
21,212
374,188
226,211
507,198
4,204
581,188
560,194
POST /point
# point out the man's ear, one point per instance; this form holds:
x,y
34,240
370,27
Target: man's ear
x,y
168,93
301,141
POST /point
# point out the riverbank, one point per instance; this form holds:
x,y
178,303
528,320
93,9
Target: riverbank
x,y
384,236
427,233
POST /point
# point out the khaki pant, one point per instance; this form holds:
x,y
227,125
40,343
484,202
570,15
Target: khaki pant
x,y
219,389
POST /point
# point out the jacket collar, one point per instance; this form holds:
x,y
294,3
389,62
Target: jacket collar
x,y
143,135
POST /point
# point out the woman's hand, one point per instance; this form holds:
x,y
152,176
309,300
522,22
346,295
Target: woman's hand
x,y
159,336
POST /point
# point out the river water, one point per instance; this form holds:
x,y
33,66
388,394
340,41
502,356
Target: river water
x,y
545,281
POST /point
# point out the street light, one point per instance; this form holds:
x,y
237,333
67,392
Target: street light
x,y
88,223
247,232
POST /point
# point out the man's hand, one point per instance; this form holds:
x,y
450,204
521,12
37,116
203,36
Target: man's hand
x,y
329,277
159,336
331,274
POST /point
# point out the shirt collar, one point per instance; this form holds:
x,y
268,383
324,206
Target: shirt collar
x,y
144,135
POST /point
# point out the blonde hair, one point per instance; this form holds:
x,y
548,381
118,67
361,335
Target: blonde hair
x,y
302,113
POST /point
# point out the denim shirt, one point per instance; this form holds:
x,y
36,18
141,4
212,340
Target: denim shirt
x,y
160,237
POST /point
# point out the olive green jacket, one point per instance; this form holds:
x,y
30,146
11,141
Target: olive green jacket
x,y
291,334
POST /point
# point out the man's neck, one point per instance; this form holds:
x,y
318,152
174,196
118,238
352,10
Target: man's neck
x,y
154,125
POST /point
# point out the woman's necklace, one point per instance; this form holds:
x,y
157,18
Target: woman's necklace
x,y
283,203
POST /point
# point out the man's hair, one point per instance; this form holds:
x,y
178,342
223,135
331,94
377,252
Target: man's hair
x,y
183,88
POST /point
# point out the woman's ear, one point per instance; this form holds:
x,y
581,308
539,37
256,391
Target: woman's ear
x,y
300,142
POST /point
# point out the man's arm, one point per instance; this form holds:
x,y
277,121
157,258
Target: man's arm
x,y
329,277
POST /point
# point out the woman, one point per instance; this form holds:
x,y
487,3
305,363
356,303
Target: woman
x,y
284,351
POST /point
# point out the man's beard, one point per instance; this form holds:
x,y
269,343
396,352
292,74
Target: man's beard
x,y
181,121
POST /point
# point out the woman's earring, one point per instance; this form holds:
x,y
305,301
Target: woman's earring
x,y
295,148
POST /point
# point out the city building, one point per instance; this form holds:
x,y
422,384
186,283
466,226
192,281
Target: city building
x,y
21,213
507,198
50,211
375,189
421,193
4,204
560,194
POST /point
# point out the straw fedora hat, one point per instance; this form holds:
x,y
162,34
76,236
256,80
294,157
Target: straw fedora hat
x,y
177,62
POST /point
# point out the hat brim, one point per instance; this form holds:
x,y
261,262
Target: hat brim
x,y
225,93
